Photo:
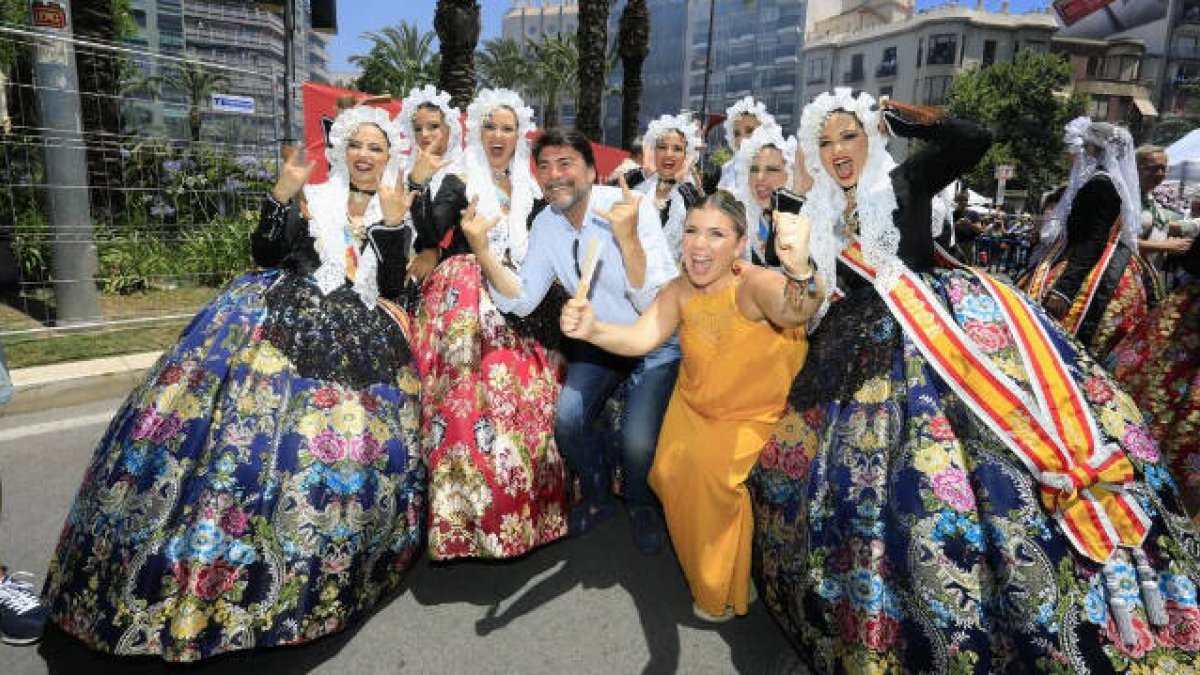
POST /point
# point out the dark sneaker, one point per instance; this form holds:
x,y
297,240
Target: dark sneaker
x,y
22,614
647,529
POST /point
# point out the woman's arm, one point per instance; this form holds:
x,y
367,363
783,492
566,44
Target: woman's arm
x,y
653,327
436,217
279,228
391,249
782,301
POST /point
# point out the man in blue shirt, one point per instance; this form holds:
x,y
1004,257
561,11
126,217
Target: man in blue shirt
x,y
633,261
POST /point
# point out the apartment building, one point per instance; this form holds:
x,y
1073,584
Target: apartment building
x,y
662,71
531,21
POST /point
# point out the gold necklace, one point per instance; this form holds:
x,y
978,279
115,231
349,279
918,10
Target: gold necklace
x,y
358,229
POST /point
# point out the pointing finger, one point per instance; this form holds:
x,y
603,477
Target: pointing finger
x,y
626,193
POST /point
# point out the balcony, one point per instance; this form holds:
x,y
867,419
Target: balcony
x,y
886,69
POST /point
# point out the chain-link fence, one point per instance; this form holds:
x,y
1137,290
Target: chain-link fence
x,y
173,188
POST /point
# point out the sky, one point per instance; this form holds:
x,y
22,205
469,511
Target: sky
x,y
356,17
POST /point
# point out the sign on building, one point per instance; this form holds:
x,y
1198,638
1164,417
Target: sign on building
x,y
232,103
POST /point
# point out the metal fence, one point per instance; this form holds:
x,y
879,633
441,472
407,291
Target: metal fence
x,y
173,186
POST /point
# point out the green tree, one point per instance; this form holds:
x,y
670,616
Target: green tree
x,y
633,44
195,83
401,58
502,64
1021,102
555,70
592,39
457,26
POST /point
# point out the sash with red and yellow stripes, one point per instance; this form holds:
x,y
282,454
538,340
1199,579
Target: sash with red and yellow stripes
x,y
1082,480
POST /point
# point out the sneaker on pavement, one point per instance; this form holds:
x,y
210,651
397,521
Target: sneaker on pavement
x,y
22,614
647,530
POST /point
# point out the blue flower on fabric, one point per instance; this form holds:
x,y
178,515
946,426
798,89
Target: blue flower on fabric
x,y
345,479
341,532
205,542
1045,617
240,554
176,548
866,590
134,461
1178,588
1157,477
942,612
226,464
973,534
978,307
830,589
1095,607
1127,585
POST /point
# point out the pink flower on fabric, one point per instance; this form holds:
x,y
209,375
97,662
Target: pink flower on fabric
x,y
1183,628
234,521
951,486
147,422
989,336
327,447
1144,640
940,429
1097,389
365,449
769,457
880,632
1139,444
794,463
168,428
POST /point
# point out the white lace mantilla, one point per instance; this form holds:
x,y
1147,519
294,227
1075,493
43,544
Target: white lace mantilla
x,y
327,225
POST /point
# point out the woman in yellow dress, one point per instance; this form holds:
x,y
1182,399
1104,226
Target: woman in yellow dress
x,y
740,331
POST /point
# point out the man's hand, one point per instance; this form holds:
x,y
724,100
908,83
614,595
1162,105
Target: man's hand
x,y
292,176
1174,245
476,226
792,243
623,216
394,201
577,319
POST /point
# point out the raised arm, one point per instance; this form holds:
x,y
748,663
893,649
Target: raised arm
x,y
516,293
788,299
279,223
652,328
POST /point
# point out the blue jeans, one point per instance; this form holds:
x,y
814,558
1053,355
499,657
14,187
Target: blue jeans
x,y
592,375
6,385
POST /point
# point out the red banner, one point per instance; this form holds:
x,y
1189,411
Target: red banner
x,y
320,109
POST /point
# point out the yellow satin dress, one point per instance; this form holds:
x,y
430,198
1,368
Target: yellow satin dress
x,y
732,388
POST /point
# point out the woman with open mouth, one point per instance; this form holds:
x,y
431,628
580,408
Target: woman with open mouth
x,y
956,485
765,163
742,119
670,148
496,479
263,486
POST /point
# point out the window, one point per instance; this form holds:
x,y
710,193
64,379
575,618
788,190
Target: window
x,y
936,89
816,70
942,49
887,64
1187,46
989,53
920,50
1036,46
1098,108
856,68
170,24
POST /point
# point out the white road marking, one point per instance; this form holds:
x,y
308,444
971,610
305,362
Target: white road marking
x,y
58,426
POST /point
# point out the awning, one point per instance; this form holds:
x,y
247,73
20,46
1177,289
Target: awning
x,y
1146,108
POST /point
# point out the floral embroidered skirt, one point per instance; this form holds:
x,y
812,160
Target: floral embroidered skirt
x,y
261,487
1159,365
895,532
496,479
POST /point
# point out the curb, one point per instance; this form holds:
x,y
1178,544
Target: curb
x,y
60,385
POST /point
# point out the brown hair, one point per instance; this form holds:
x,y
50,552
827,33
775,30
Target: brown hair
x,y
730,206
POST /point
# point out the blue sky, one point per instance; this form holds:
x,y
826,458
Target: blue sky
x,y
356,17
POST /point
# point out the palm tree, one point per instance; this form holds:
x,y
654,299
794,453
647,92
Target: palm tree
x,y
501,63
196,83
457,26
556,69
401,58
592,37
633,44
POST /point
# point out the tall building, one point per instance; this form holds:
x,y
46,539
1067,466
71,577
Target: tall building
x,y
1181,84
243,37
662,71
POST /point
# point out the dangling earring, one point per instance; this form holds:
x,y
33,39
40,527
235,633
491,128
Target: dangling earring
x,y
736,268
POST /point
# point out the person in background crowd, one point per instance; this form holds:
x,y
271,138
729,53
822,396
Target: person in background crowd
x,y
1164,234
631,262
497,483
917,508
432,126
1094,281
764,163
741,120
631,163
967,226
22,614
263,485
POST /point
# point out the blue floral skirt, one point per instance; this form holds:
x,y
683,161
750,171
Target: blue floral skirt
x,y
895,532
261,487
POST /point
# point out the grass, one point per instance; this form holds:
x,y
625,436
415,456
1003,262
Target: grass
x,y
48,347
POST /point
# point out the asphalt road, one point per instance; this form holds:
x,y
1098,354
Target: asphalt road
x,y
586,605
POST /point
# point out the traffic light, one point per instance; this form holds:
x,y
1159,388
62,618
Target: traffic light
x,y
324,15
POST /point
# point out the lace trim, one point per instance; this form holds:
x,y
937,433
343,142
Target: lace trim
x,y
327,226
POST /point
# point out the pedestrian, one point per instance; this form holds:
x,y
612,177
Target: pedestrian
x,y
497,484
670,145
631,263
1165,235
740,326
764,164
1094,280
741,120
22,614
955,484
262,486
434,128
